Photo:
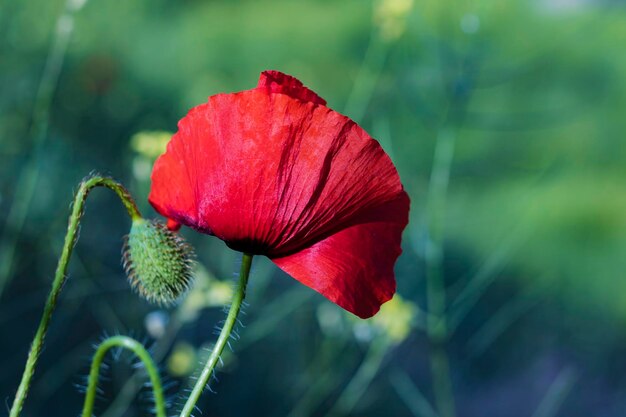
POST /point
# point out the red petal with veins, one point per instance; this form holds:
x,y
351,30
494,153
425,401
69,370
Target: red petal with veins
x,y
277,82
354,267
272,171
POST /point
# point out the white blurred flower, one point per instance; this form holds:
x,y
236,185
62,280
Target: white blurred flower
x,y
156,322
75,5
470,23
142,167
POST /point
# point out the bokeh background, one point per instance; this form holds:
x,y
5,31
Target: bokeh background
x,y
505,119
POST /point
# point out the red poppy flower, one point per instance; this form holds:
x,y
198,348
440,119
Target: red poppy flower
x,y
273,171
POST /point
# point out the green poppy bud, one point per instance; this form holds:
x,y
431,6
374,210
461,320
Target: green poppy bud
x,y
158,262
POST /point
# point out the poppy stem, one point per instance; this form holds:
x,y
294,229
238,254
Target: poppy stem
x,y
60,275
229,324
140,351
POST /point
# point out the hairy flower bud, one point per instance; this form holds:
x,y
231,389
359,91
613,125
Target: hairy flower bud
x,y
158,262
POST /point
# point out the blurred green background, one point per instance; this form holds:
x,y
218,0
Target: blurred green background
x,y
505,119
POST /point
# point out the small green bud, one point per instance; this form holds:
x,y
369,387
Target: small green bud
x,y
158,262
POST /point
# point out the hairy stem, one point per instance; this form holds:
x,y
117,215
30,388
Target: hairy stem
x,y
143,355
60,275
229,324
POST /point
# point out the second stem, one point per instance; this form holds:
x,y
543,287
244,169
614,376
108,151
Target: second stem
x,y
222,340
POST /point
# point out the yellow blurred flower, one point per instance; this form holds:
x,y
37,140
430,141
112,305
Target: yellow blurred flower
x,y
390,16
150,144
147,145
182,360
206,292
395,318
394,321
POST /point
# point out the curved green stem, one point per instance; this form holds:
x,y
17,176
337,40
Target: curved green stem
x,y
60,275
229,324
143,355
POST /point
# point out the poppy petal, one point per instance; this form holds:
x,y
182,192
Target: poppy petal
x,y
173,225
277,82
354,267
269,174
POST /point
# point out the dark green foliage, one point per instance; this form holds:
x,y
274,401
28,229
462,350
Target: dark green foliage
x,y
534,225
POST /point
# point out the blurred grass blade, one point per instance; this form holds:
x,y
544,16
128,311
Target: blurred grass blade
x,y
499,322
411,395
320,387
557,392
382,132
479,283
28,177
361,379
274,312
366,79
60,373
